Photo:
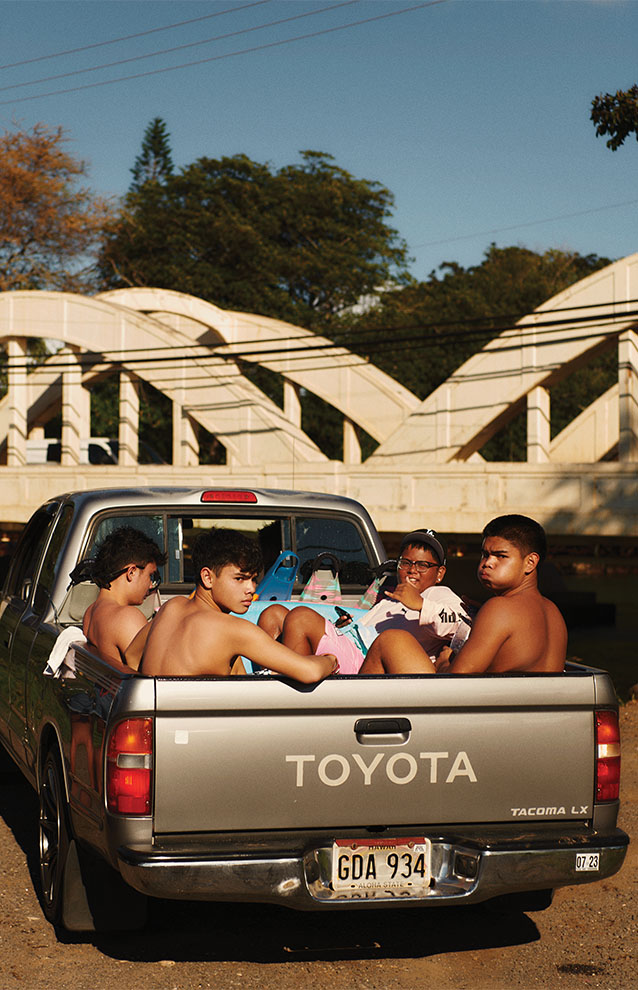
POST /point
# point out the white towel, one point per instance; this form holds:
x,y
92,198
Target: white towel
x,y
61,647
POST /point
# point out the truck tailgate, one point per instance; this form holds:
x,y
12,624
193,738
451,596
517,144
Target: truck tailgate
x,y
260,753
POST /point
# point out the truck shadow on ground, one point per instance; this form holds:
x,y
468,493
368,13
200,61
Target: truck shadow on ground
x,y
264,933
181,930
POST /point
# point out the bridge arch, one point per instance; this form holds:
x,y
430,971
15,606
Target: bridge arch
x,y
166,339
190,350
518,367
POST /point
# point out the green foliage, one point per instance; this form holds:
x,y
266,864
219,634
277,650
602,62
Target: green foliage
x,y
37,353
154,163
156,422
616,114
422,333
571,396
300,244
305,244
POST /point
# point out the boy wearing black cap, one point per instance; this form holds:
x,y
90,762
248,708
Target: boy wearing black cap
x,y
431,612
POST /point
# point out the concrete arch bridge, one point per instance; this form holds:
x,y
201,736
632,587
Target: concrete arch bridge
x,y
426,468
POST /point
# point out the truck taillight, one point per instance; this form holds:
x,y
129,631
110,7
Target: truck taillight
x,y
607,755
129,760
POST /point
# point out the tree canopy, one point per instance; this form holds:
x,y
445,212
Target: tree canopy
x,y
300,243
616,114
49,222
420,334
154,162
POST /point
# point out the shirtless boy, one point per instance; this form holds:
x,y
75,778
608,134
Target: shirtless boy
x,y
517,629
426,609
198,636
125,570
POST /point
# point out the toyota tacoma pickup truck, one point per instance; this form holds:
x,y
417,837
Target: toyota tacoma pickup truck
x,y
355,792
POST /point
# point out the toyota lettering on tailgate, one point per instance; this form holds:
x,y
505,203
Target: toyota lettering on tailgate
x,y
399,768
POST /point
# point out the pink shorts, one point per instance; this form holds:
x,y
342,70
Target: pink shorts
x,y
347,653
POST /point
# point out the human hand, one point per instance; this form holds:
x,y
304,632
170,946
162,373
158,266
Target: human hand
x,y
329,663
443,660
407,595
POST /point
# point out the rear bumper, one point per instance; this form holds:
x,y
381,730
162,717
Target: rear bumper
x,y
462,872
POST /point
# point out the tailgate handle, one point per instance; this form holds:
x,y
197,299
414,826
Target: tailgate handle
x,y
392,729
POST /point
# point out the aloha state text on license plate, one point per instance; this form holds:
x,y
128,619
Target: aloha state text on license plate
x,y
371,864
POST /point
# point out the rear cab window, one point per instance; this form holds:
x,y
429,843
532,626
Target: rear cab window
x,y
305,534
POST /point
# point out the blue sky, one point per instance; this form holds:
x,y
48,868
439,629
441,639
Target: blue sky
x,y
474,114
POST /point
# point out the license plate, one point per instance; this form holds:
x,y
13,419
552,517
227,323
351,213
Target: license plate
x,y
369,864
587,861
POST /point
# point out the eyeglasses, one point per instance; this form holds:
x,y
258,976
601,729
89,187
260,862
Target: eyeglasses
x,y
421,565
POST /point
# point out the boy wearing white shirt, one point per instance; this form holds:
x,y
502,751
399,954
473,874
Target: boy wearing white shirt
x,y
431,612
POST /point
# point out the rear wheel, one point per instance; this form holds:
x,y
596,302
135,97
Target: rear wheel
x,y
53,837
80,891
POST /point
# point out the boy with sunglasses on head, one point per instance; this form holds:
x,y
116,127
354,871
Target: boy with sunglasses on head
x,y
125,570
420,605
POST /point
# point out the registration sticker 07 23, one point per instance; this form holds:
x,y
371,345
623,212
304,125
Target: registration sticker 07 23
x,y
371,864
587,861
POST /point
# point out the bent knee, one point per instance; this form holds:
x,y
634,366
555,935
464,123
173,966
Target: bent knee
x,y
274,613
394,639
304,619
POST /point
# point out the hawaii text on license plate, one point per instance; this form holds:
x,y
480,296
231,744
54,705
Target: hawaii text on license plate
x,y
370,864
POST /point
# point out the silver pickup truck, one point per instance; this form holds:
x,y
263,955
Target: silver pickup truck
x,y
356,792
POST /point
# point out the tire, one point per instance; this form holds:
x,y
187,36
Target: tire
x,y
80,892
54,838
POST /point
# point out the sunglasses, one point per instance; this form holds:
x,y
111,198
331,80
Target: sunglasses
x,y
156,577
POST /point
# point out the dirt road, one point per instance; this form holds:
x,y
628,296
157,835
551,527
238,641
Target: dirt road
x,y
588,938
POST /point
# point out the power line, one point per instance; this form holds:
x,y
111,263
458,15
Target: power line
x,y
476,325
129,37
216,58
307,352
518,226
178,48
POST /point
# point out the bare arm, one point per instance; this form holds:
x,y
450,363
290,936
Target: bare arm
x,y
252,642
129,622
133,652
490,630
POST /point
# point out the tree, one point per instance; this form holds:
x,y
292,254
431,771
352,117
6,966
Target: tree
x,y
49,224
301,243
154,162
616,114
420,334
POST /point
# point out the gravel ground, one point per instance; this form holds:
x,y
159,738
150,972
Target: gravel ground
x,y
588,938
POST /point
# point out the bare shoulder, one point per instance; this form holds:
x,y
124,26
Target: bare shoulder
x,y
497,609
551,608
553,614
173,608
174,604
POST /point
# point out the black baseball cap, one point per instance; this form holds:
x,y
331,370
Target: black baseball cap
x,y
430,539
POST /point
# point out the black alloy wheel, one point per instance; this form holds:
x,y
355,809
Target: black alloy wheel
x,y
54,837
